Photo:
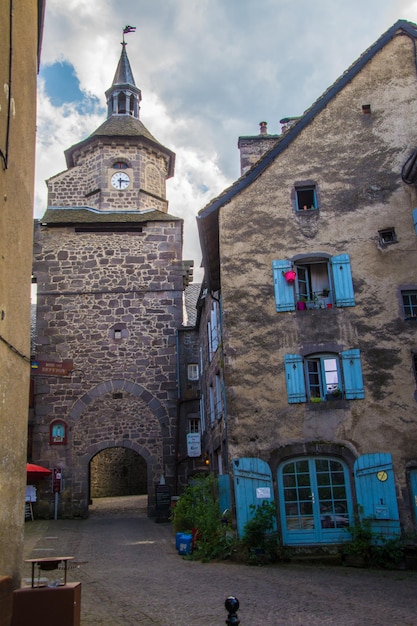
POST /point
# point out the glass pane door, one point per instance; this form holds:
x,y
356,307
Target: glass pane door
x,y
315,501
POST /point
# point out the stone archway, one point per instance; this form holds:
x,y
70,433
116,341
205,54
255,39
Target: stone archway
x,y
116,414
118,472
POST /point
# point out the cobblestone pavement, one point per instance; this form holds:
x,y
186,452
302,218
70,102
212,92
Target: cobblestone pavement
x,y
130,574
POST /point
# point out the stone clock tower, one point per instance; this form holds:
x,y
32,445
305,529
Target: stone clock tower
x,y
110,278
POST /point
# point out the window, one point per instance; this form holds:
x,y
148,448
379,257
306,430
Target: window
x,y
58,433
387,236
212,331
120,165
202,413
320,282
194,425
192,371
305,198
214,327
409,298
219,400
324,377
212,405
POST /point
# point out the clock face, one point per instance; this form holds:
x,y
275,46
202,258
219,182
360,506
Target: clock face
x,y
120,180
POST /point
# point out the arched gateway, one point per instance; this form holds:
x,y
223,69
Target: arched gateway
x,y
116,414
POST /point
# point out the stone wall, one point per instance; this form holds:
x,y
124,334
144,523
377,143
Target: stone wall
x,y
118,472
123,389
88,183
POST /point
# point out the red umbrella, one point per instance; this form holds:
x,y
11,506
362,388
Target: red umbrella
x,y
36,472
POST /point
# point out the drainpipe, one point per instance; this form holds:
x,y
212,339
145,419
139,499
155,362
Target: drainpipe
x,y
177,434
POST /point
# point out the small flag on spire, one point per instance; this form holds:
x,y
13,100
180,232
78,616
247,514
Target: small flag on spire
x,y
129,29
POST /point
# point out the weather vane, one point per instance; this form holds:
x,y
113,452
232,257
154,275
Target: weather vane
x,y
128,29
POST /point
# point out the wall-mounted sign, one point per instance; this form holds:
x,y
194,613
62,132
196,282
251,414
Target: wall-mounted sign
x,y
193,444
57,480
263,492
52,368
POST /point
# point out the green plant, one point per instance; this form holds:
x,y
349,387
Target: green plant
x,y
360,544
260,541
198,508
374,549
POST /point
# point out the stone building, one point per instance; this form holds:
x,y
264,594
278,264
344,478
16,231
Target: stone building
x,y
310,268
20,43
110,284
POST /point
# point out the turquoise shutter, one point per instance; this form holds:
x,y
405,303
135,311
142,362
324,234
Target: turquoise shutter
x,y
284,292
415,219
352,374
375,492
294,377
252,481
342,280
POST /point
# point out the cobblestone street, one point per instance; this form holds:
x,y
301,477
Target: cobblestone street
x,y
132,574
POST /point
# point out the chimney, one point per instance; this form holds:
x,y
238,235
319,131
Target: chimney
x,y
263,128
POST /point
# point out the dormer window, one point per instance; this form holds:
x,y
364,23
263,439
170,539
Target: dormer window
x,y
305,196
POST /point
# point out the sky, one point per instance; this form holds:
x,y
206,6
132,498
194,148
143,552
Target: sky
x,y
209,72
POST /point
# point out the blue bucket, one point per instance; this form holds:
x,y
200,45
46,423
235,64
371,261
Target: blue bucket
x,y
185,544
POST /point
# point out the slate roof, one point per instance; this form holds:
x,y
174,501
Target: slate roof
x,y
192,293
207,218
123,126
124,74
56,216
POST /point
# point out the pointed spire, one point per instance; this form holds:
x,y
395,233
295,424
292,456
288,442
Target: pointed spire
x,y
123,73
123,97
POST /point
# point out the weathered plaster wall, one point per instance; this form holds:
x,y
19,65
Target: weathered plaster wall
x,y
123,391
356,161
16,198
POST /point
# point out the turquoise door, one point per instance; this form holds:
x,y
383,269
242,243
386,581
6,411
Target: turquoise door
x,y
252,481
375,493
315,501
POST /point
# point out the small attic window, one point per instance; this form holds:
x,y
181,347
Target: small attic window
x,y
120,165
306,198
387,236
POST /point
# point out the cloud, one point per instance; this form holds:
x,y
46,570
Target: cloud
x,y
209,71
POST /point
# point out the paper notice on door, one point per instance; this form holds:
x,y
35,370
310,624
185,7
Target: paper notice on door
x,y
263,492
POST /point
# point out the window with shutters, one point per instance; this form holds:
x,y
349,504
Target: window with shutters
x,y
324,377
313,282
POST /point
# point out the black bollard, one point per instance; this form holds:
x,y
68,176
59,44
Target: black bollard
x,y
232,606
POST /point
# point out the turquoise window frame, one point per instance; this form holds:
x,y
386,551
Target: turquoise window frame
x,y
319,373
409,301
304,196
